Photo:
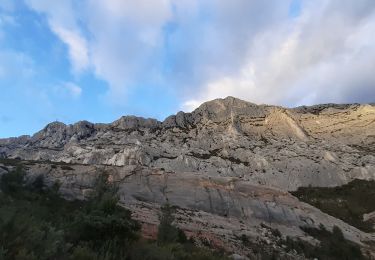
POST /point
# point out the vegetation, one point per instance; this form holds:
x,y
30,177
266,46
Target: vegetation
x,y
348,202
36,223
332,245
167,232
329,246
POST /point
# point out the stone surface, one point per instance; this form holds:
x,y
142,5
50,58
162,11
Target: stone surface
x,y
228,165
213,210
324,145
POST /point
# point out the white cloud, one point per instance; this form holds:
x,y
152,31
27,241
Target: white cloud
x,y
68,89
206,49
74,90
190,105
125,36
63,21
325,55
78,51
142,12
127,39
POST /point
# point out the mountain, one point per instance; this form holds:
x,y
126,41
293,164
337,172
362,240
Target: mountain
x,y
230,166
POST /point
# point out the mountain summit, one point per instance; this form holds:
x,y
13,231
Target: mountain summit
x,y
229,163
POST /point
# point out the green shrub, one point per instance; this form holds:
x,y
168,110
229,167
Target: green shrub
x,y
36,223
332,245
348,202
83,253
14,181
167,232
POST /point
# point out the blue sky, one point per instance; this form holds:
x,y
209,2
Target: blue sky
x,y
97,60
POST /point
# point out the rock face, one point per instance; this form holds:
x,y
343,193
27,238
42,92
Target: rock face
x,y
324,145
228,165
214,210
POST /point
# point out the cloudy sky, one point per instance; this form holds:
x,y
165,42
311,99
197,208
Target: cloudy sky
x,y
96,60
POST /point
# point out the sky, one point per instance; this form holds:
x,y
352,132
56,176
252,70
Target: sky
x,y
98,60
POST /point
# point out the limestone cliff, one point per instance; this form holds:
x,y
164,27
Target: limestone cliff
x,y
228,165
324,145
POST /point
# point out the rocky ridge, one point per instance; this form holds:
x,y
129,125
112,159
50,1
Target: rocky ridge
x,y
324,145
228,165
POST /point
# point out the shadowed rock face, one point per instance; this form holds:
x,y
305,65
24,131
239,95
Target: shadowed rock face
x,y
227,165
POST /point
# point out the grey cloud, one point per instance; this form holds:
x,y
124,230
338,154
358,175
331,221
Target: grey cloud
x,y
324,55
216,45
207,49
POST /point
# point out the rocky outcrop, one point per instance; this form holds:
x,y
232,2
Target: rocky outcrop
x,y
134,123
214,210
324,145
227,166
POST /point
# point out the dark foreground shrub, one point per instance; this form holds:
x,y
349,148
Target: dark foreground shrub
x,y
36,223
347,202
332,245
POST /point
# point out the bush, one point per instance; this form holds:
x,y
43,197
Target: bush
x,y
332,245
348,202
83,253
35,223
167,232
13,181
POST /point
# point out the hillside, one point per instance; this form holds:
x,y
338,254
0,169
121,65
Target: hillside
x,y
229,167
